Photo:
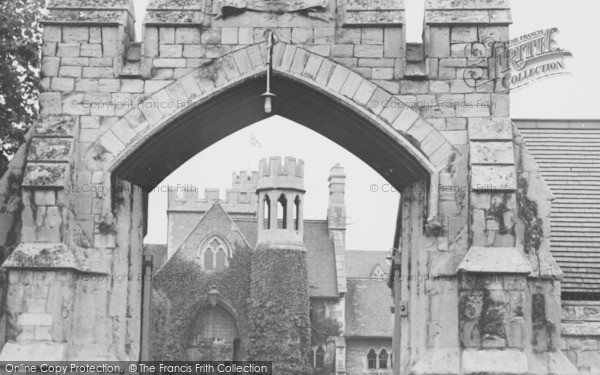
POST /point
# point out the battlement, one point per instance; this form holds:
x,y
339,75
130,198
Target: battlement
x,y
245,180
236,201
273,174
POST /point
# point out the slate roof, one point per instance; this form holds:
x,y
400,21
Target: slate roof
x,y
322,278
159,254
568,153
360,263
368,311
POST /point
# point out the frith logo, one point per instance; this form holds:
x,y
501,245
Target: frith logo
x,y
517,63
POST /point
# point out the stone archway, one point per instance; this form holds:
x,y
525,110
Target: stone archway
x,y
465,209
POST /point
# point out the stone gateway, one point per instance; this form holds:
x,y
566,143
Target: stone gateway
x,y
120,115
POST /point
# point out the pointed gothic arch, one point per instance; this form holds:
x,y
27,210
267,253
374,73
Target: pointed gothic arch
x,y
224,96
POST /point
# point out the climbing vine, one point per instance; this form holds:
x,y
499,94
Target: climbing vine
x,y
279,310
180,292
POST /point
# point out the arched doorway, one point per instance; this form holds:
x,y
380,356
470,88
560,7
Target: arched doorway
x,y
214,336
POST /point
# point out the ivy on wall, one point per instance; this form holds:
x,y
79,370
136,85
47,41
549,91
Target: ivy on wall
x,y
279,310
268,289
181,291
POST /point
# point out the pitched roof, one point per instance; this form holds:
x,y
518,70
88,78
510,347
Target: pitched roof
x,y
360,263
568,153
367,309
322,278
158,252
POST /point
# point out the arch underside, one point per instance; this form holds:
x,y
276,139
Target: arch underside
x,y
242,105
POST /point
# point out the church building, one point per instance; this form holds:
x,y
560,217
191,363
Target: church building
x,y
347,289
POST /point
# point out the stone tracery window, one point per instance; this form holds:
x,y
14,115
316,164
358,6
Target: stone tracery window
x,y
383,359
214,254
372,359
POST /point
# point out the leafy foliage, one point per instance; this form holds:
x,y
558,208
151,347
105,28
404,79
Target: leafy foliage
x,y
20,41
274,324
180,292
279,310
323,328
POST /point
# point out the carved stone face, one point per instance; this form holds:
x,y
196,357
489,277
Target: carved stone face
x,y
472,304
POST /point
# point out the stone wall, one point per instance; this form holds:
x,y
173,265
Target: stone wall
x,y
581,335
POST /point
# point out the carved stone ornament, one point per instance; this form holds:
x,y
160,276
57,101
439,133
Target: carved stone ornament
x,y
310,8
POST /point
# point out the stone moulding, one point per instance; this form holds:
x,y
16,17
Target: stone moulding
x,y
89,18
276,6
494,260
174,18
57,256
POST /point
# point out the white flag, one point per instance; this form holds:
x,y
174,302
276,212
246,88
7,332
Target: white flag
x,y
253,141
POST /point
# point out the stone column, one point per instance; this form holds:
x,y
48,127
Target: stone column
x,y
493,302
55,312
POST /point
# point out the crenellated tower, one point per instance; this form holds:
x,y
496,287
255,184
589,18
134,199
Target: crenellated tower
x,y
279,291
280,193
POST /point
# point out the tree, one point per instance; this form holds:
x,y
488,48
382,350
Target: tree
x,y
20,42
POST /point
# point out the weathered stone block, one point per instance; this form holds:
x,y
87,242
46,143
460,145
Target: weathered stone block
x,y
348,36
302,35
49,49
187,35
338,78
50,103
74,61
70,71
76,34
490,129
61,125
372,35
324,35
368,51
50,66
91,50
109,85
166,35
382,73
52,33
51,149
464,34
439,42
97,72
229,35
492,153
392,42
491,178
173,50
414,87
374,18
245,35
169,63
95,34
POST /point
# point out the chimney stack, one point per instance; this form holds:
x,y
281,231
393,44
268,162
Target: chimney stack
x,y
336,213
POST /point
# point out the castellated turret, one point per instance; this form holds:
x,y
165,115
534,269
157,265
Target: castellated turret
x,y
239,201
279,276
280,203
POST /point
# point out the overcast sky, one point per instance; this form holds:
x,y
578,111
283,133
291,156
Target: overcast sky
x,y
373,215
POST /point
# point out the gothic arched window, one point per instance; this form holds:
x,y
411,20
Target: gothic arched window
x,y
282,212
214,254
320,357
383,359
372,359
